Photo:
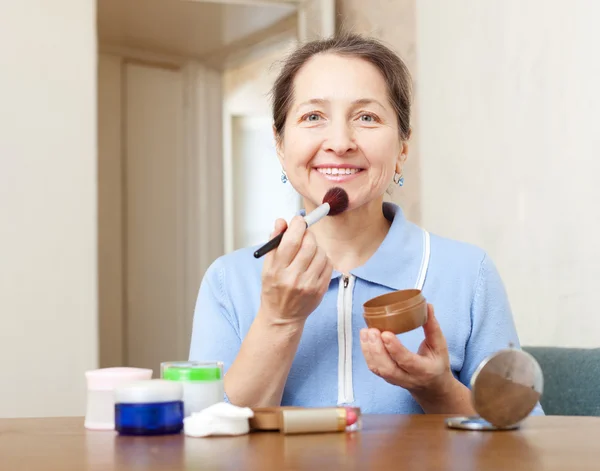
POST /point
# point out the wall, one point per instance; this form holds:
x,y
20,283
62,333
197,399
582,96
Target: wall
x,y
394,23
246,87
509,109
48,332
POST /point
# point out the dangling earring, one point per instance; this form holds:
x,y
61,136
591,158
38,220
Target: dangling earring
x,y
284,177
399,179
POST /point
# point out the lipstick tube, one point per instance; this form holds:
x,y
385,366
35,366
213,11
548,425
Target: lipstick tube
x,y
312,420
296,420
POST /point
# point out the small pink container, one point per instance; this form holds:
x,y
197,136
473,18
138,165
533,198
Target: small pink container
x,y
101,383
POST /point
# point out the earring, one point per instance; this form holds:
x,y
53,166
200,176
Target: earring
x,y
399,179
284,177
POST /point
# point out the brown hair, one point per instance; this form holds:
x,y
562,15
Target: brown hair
x,y
393,69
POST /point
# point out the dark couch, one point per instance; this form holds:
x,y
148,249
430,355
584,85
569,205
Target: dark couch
x,y
571,379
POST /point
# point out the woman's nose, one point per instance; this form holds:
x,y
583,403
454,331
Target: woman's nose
x,y
340,139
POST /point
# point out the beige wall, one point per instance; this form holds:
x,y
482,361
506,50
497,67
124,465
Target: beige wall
x,y
509,124
505,147
394,22
246,87
48,332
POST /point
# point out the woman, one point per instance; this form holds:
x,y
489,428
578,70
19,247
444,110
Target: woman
x,y
289,327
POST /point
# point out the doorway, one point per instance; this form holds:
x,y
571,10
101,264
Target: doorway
x,y
260,197
166,180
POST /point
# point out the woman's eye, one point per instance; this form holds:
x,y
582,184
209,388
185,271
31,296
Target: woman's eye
x,y
367,118
312,117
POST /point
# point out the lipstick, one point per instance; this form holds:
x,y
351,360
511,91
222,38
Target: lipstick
x,y
297,420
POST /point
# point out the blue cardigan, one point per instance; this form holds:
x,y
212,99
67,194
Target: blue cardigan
x,y
459,279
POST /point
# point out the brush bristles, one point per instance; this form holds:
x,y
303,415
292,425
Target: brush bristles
x,y
337,199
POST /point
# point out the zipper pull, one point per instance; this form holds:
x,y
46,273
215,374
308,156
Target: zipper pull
x,y
346,280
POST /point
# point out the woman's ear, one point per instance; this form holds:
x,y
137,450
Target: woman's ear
x,y
402,156
278,145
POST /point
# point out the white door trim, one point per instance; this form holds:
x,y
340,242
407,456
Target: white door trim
x,y
199,209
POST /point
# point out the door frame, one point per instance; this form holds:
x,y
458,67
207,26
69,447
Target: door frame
x,y
199,177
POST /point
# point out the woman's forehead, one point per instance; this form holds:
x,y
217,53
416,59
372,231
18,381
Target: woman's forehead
x,y
331,77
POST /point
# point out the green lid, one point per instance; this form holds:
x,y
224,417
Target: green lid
x,y
192,373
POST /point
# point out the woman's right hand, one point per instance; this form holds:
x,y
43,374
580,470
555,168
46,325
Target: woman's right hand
x,y
295,275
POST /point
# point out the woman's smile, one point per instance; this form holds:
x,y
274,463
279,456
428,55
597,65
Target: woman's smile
x,y
338,173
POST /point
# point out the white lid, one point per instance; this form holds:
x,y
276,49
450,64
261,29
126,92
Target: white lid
x,y
110,378
147,391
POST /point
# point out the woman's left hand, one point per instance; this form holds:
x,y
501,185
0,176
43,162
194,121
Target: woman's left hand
x,y
426,374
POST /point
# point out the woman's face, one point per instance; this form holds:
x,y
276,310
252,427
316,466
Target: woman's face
x,y
341,130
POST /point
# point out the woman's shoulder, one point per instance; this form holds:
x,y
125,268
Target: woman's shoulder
x,y
470,269
446,251
234,269
237,261
456,249
465,259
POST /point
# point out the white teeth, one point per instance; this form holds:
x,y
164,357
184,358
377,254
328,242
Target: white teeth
x,y
338,171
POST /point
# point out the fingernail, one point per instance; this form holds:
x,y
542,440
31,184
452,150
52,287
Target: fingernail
x,y
363,335
373,337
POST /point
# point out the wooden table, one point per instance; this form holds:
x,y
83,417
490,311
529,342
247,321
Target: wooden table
x,y
389,442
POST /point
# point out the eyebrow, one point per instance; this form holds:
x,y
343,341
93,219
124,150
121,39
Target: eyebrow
x,y
322,101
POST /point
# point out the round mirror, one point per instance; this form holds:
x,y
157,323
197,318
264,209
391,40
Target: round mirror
x,y
505,389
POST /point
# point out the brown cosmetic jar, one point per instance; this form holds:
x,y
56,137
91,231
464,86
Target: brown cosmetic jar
x,y
396,312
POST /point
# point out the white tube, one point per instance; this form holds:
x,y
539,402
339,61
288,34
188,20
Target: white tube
x,y
319,213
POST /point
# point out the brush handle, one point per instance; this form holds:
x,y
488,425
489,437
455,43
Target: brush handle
x,y
272,244
319,213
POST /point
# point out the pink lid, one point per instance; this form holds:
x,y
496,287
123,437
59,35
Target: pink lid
x,y
110,378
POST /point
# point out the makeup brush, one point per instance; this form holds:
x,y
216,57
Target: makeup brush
x,y
335,202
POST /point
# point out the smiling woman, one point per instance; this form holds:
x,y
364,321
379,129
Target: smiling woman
x,y
340,129
287,327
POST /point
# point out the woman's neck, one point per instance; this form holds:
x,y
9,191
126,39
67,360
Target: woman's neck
x,y
351,238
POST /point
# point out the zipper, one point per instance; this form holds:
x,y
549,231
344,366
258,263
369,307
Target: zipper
x,y
345,389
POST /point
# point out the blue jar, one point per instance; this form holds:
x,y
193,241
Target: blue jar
x,y
150,407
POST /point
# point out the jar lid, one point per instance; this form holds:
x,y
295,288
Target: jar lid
x,y
192,371
149,391
107,379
